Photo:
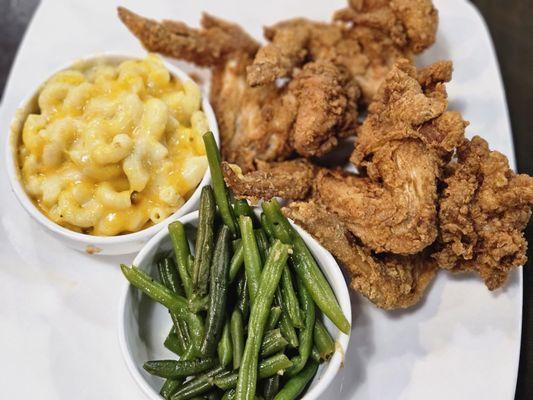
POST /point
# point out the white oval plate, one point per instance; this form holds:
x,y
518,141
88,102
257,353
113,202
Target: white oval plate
x,y
59,307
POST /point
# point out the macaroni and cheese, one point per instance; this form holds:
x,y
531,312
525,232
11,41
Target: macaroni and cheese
x,y
114,148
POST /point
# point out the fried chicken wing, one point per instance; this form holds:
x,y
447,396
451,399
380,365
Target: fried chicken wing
x,y
402,146
483,211
291,180
388,281
217,41
367,39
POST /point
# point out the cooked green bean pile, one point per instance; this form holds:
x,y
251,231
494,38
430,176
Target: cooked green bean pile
x,y
246,305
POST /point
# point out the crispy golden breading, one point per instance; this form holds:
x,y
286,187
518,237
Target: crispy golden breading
x,y
279,59
245,117
403,143
411,24
483,212
370,38
213,44
388,281
291,180
326,99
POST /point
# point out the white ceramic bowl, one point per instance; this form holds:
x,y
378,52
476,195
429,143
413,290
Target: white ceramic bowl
x,y
121,244
143,324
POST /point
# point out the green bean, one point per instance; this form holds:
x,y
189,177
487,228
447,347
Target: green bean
x,y
273,365
273,342
269,281
195,324
218,289
323,340
237,337
290,301
287,330
306,333
267,368
326,303
170,387
204,241
169,277
198,385
241,207
191,353
273,318
181,254
271,387
306,267
237,261
243,299
180,329
229,395
175,344
217,179
262,243
252,258
197,304
155,290
225,347
267,226
232,395
315,355
296,385
190,264
178,369
274,221
235,244
213,395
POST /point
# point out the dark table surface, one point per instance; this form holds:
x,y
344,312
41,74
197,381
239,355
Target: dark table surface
x,y
512,32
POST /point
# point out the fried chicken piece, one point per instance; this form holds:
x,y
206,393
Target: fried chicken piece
x,y
389,281
370,38
402,146
308,116
327,108
483,211
279,59
291,180
250,125
269,123
411,24
212,45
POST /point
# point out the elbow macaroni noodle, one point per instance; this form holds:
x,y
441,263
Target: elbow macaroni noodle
x,y
114,149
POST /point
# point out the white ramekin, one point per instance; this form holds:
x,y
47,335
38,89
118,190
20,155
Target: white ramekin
x,y
144,324
109,245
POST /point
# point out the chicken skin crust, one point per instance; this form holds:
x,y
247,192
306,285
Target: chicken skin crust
x,y
402,146
483,211
389,281
366,39
291,180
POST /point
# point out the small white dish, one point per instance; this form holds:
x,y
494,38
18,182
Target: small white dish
x,y
107,245
143,324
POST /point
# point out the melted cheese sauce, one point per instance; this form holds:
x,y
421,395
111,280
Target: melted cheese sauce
x,y
114,148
